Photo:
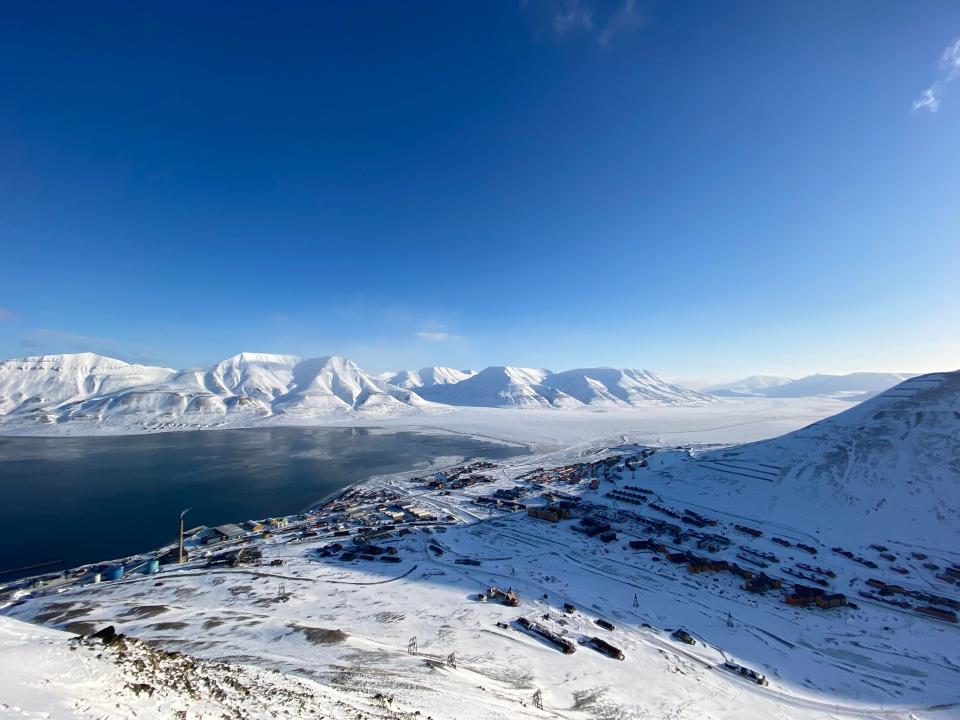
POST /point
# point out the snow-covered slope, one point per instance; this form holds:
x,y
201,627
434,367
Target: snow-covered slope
x,y
426,377
47,673
37,384
887,468
622,387
89,389
261,376
753,385
538,388
854,386
84,393
337,384
502,387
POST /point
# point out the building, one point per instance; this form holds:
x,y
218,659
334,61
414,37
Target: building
x,y
224,533
831,601
421,514
551,514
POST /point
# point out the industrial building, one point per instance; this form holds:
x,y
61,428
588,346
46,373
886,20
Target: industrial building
x,y
224,533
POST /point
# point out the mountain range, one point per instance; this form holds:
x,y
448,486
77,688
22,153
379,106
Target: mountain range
x,y
425,377
852,386
53,389
94,389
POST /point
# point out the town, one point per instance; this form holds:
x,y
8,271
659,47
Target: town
x,y
485,522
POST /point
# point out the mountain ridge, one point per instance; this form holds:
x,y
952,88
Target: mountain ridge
x,y
853,386
55,389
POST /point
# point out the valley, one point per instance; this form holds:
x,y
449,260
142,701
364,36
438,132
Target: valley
x,y
384,596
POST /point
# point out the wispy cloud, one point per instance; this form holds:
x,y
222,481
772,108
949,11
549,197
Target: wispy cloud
x,y
601,20
950,71
436,336
7,315
434,331
571,16
625,19
62,341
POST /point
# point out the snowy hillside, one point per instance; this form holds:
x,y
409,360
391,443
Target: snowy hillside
x,y
335,384
260,376
426,377
753,385
86,393
402,599
888,468
514,387
47,673
33,384
854,386
502,387
616,387
84,390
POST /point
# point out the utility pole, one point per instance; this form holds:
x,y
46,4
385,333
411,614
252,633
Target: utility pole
x,y
180,557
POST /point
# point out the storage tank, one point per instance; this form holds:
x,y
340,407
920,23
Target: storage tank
x,y
115,573
152,566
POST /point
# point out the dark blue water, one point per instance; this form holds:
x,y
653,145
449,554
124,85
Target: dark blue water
x,y
88,499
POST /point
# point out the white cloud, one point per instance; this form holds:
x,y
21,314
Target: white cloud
x,y
60,341
599,19
436,336
928,101
950,69
624,20
571,16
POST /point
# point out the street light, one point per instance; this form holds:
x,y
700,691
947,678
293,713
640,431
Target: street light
x,y
181,558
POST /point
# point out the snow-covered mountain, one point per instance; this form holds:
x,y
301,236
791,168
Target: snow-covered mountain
x,y
501,386
854,386
33,384
753,385
622,387
93,389
886,468
857,386
337,384
261,376
87,392
426,377
539,388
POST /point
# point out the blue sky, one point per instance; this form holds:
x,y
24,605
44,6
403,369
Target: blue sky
x,y
705,189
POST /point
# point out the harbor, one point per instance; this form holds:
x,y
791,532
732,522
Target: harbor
x,y
74,501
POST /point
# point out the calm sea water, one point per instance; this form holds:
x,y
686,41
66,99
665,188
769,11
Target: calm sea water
x,y
88,499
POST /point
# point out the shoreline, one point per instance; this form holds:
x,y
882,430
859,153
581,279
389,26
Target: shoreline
x,y
315,505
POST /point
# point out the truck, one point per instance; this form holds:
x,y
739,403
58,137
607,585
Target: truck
x,y
564,645
752,675
602,646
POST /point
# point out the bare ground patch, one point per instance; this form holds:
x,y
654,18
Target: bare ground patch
x,y
320,636
170,625
81,628
145,611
